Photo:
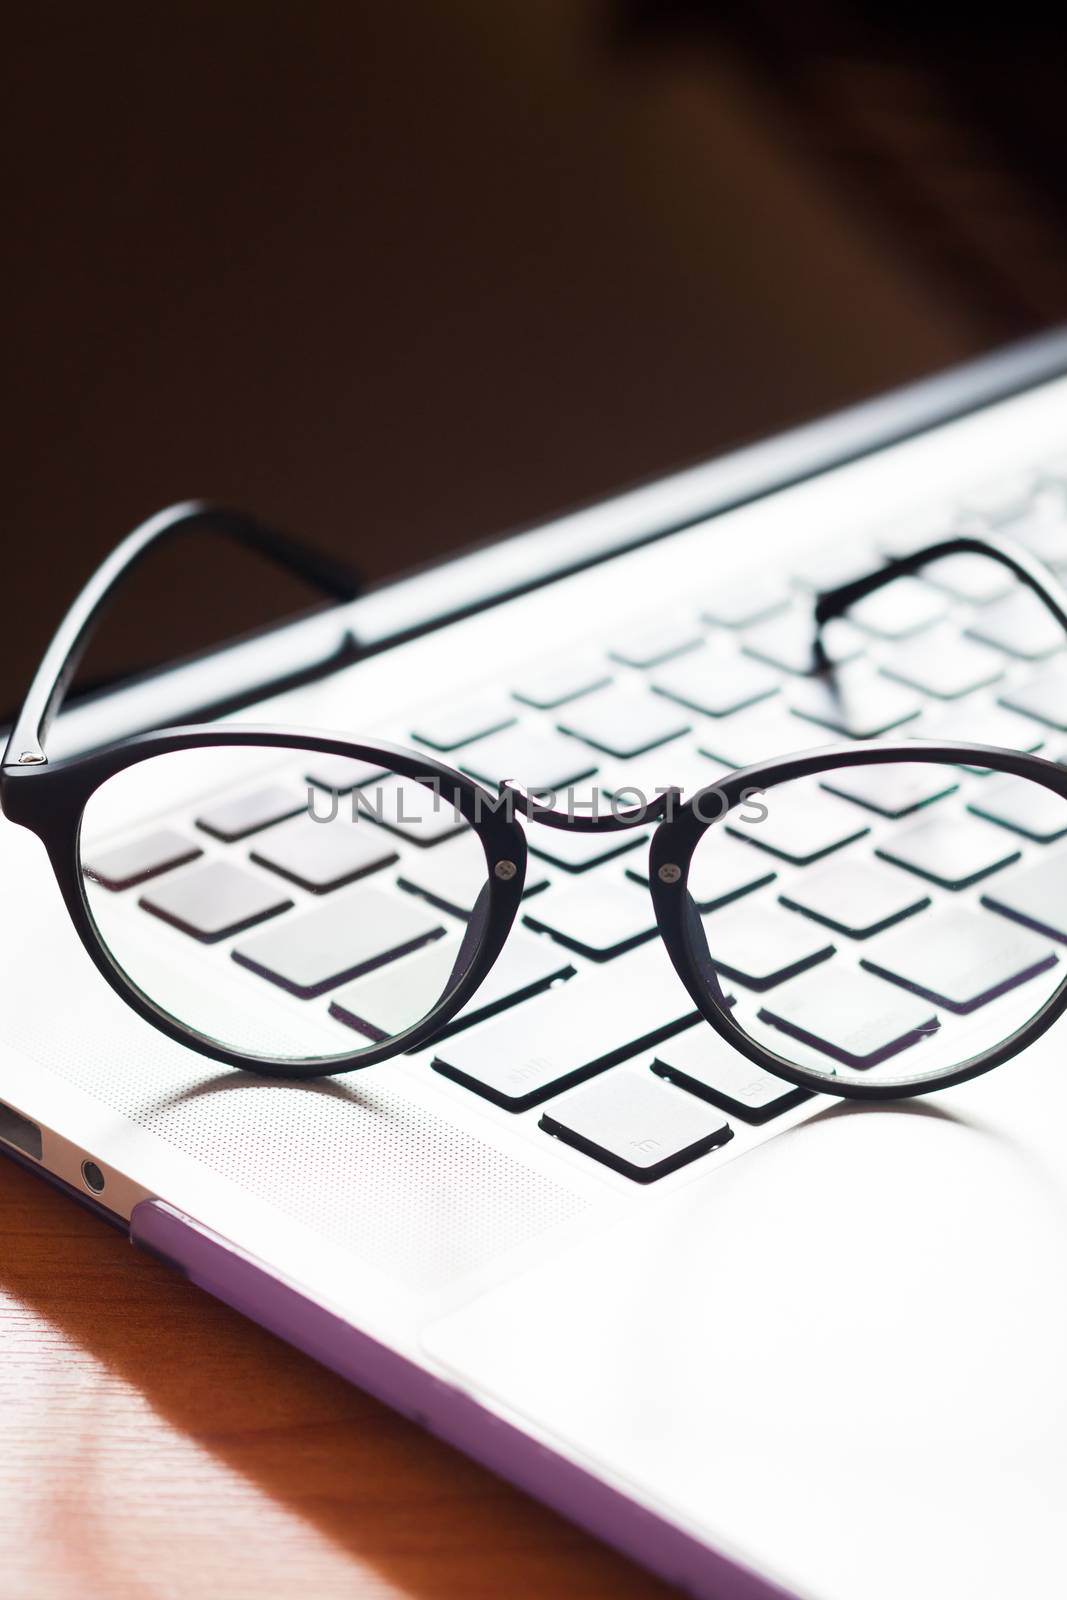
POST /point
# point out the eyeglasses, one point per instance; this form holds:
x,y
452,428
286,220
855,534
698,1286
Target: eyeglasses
x,y
906,935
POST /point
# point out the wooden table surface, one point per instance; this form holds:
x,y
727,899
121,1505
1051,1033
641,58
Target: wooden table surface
x,y
158,1445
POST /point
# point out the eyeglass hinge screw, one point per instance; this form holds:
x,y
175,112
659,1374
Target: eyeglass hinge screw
x,y
505,870
669,873
31,758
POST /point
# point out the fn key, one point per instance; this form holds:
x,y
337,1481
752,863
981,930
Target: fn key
x,y
640,1127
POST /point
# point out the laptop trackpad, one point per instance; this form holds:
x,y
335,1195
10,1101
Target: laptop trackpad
x,y
845,1358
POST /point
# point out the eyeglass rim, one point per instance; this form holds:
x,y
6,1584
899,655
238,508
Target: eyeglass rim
x,y
50,801
674,844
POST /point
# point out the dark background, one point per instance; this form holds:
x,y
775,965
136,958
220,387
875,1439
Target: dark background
x,y
403,276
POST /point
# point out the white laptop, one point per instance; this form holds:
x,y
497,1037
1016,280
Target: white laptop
x,y
823,1357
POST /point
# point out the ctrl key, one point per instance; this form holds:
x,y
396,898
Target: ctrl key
x,y
636,1125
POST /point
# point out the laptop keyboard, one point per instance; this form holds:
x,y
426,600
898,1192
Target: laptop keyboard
x,y
878,860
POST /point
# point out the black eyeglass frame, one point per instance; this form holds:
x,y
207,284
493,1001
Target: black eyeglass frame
x,y
48,797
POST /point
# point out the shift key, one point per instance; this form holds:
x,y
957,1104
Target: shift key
x,y
562,1037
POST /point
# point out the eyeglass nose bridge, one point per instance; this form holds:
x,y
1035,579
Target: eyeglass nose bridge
x,y
528,802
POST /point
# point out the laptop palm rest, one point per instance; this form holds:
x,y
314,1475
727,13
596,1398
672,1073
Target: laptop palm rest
x,y
875,1300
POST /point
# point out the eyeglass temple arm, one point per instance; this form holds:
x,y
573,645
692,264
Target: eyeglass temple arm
x,y
1028,570
60,662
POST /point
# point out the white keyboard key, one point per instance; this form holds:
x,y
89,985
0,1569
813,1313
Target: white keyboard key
x,y
893,790
852,1017
213,900
1042,528
454,875
650,643
944,664
952,851
1044,698
802,823
597,1019
855,896
321,856
856,702
720,871
999,500
641,780
761,945
1024,807
788,641
959,958
555,685
1035,895
932,524
577,852
624,723
716,684
600,917
236,819
340,774
971,577
978,724
1020,625
749,737
124,865
392,999
448,727
905,606
531,758
739,604
832,563
350,933
415,811
705,1065
636,1126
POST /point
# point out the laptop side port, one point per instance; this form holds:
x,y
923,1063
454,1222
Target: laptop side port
x,y
19,1131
